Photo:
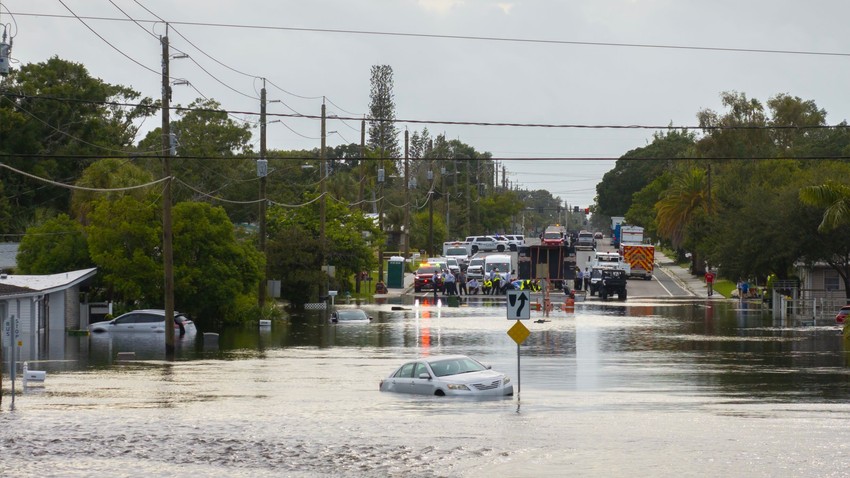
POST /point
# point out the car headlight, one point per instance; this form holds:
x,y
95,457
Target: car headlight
x,y
457,386
507,380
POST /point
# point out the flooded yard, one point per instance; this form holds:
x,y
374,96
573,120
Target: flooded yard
x,y
635,389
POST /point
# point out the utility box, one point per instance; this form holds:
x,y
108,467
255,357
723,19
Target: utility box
x,y
395,273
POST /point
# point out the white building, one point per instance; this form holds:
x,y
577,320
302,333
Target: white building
x,y
44,308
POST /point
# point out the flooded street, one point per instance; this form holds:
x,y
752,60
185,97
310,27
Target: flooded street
x,y
636,389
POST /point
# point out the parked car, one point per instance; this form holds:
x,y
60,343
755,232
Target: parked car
x,y
487,244
475,269
585,241
423,278
453,265
145,320
455,375
349,315
515,240
841,317
598,235
440,262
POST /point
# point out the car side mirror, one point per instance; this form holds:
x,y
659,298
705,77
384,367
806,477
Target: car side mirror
x,y
489,367
424,376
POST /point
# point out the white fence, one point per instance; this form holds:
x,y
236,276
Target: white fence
x,y
809,311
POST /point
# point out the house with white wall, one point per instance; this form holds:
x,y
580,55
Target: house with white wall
x,y
44,308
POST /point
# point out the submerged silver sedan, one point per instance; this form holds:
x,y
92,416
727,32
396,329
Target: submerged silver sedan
x,y
456,375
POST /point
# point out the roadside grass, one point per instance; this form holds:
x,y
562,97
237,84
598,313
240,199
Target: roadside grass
x,y
724,287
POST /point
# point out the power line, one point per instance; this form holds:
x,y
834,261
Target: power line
x,y
668,127
471,37
436,158
81,19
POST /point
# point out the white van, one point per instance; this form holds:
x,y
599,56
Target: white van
x,y
502,262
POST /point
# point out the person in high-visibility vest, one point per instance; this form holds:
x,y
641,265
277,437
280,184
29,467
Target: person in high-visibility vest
x,y
495,282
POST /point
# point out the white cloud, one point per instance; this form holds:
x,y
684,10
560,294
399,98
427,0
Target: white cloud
x,y
505,7
439,6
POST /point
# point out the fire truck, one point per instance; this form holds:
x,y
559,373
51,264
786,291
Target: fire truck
x,y
640,258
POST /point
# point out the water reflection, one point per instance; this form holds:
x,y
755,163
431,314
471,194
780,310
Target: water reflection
x,y
732,343
607,390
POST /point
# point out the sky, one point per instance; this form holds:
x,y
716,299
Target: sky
x,y
652,63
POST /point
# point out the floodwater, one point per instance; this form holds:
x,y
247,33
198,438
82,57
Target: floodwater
x,y
614,390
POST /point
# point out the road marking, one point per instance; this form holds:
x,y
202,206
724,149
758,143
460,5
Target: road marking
x,y
684,289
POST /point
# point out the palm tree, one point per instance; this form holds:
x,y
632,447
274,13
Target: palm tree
x,y
832,196
686,196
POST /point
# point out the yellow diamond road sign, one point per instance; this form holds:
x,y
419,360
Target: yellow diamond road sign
x,y
519,332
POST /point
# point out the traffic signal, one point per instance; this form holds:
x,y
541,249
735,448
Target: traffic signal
x,y
575,208
587,210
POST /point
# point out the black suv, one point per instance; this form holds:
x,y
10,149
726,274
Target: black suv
x,y
613,282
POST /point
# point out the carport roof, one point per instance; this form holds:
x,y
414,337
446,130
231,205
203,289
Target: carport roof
x,y
18,285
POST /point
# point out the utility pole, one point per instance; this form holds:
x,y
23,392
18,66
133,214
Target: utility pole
x,y
362,188
262,170
431,208
468,201
406,247
322,201
381,216
167,245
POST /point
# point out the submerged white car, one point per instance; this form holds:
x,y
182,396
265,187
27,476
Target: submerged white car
x,y
145,320
456,375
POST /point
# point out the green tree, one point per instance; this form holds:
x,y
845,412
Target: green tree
x,y
498,209
124,242
212,269
383,135
762,233
684,202
208,162
642,211
834,198
419,227
110,173
630,174
294,250
5,212
55,109
57,245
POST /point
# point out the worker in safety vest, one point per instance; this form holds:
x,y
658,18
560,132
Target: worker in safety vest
x,y
495,281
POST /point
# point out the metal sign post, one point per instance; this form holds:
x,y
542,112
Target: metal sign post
x,y
518,309
11,334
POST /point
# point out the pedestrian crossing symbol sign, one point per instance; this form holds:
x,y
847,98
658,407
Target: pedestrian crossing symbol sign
x,y
519,305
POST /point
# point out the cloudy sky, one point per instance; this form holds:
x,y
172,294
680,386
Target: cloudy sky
x,y
555,62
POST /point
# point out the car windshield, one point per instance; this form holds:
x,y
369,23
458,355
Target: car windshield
x,y
426,270
552,235
476,262
498,266
353,314
456,251
446,367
